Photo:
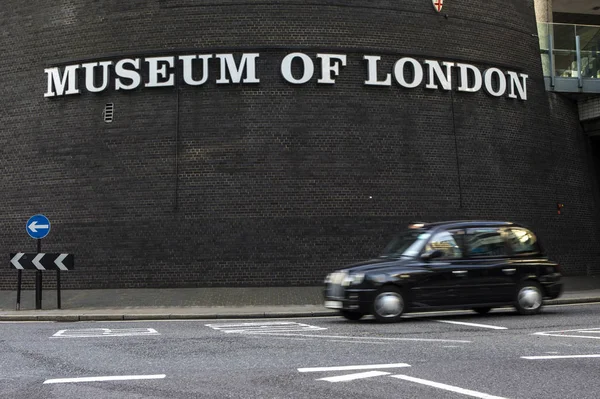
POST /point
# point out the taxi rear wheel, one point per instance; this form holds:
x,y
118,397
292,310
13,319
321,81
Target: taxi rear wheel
x,y
529,298
388,305
351,315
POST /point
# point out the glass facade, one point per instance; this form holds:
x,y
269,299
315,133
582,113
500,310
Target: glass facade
x,y
560,51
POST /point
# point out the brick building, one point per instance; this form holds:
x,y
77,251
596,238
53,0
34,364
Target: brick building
x,y
281,177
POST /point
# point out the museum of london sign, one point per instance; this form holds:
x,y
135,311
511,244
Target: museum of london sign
x,y
126,74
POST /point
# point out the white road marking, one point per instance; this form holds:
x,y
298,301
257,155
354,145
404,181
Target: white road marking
x,y
105,332
463,391
263,327
355,342
365,338
572,333
106,378
557,357
350,377
359,367
472,324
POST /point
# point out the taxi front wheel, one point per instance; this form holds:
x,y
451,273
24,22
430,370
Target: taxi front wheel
x,y
388,305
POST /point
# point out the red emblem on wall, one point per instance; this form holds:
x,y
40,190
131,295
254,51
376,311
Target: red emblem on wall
x,y
438,4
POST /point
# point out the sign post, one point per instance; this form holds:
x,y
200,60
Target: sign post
x,y
38,227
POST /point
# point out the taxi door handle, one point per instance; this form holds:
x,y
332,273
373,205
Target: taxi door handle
x,y
509,271
460,272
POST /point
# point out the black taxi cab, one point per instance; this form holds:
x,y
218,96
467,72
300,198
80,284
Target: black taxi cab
x,y
475,265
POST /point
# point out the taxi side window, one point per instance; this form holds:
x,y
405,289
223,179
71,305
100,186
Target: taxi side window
x,y
485,241
447,242
522,240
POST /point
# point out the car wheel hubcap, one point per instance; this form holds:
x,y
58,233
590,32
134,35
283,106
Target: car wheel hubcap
x,y
389,304
530,298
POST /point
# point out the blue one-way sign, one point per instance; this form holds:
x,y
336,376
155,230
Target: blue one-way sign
x,y
38,226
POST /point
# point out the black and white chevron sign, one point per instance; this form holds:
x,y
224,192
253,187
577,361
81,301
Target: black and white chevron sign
x,y
42,261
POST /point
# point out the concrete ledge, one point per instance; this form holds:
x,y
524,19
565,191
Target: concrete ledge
x,y
568,301
58,318
287,314
326,313
189,316
100,317
241,316
18,318
144,316
206,314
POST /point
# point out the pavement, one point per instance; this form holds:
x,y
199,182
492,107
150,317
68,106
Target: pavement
x,y
207,303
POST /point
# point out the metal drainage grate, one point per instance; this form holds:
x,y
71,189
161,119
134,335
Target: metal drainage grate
x,y
108,112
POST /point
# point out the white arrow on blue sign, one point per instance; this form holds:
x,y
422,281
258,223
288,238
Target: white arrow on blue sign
x,y
38,226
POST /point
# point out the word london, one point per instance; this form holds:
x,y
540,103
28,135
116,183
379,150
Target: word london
x,y
160,72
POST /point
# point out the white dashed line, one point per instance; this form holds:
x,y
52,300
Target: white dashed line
x,y
557,357
446,387
105,332
472,324
368,338
106,378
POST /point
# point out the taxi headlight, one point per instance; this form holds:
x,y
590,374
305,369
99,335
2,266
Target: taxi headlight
x,y
379,278
353,279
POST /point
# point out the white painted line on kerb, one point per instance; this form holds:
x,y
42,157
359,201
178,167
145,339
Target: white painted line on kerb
x,y
472,324
350,377
106,378
359,367
557,357
463,391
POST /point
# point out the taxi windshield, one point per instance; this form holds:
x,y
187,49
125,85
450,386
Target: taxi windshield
x,y
406,244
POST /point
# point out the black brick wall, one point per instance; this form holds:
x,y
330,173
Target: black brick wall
x,y
276,184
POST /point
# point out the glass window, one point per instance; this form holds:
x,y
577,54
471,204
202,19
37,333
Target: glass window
x,y
522,240
445,241
485,242
407,243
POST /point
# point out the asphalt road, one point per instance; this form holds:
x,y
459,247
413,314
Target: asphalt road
x,y
440,355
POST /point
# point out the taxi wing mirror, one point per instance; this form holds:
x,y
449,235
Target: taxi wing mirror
x,y
430,255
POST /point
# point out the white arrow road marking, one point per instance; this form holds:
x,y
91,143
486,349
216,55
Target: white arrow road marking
x,y
451,388
557,357
359,367
106,378
472,324
356,376
36,261
59,260
34,226
15,260
573,332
